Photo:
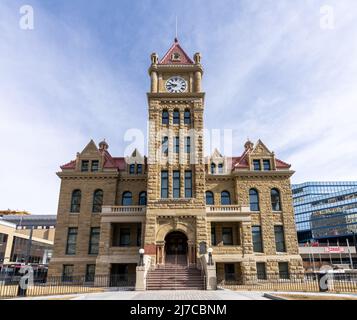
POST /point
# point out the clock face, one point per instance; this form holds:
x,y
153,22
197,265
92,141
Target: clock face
x,y
176,85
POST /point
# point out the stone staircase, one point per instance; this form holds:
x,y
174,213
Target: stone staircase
x,y
175,275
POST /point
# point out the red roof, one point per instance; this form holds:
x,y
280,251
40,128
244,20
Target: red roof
x,y
69,165
176,49
281,164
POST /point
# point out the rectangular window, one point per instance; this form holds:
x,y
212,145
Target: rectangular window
x,y
132,169
227,236
138,236
284,270
139,169
188,145
256,165
95,166
176,144
176,184
229,272
279,239
124,237
213,236
90,272
257,239
261,271
266,165
85,166
67,273
188,184
94,241
165,146
164,184
71,241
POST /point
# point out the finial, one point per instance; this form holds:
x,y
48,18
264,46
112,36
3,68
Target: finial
x,y
103,145
176,40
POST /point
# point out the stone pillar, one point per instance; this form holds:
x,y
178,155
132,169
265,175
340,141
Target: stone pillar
x,y
198,79
153,82
140,283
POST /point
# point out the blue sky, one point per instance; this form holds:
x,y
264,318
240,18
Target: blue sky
x,y
271,72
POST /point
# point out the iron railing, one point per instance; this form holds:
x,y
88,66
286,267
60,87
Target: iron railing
x,y
294,282
17,286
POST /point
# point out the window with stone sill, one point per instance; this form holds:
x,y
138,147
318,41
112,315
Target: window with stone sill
x,y
127,199
95,166
85,166
132,169
76,201
256,165
97,201
165,117
266,165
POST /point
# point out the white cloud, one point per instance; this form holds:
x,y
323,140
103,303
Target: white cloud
x,y
271,73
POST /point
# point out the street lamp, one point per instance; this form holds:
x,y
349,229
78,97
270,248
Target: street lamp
x,y
210,260
141,253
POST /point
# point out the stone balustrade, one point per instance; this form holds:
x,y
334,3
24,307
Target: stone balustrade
x,y
118,210
227,209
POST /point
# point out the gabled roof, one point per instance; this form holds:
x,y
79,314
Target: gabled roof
x,y
176,48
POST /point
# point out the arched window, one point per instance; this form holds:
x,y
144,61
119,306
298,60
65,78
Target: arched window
x,y
165,117
225,198
127,199
187,117
275,200
142,198
176,117
97,201
254,200
76,201
209,198
213,168
220,168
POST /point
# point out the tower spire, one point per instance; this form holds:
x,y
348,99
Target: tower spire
x,y
176,27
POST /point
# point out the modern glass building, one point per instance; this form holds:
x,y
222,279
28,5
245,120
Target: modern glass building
x,y
326,211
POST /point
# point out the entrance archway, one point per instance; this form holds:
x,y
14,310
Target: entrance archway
x,y
176,248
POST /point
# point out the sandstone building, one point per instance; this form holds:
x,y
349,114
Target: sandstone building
x,y
175,203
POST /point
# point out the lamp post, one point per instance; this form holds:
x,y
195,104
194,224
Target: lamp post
x,y
141,261
210,260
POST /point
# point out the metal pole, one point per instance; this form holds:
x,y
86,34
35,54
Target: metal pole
x,y
329,252
338,245
318,246
309,254
313,259
349,253
28,249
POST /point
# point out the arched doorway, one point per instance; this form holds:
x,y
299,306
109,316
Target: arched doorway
x,y
176,248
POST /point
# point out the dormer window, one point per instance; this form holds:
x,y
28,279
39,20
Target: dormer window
x,y
139,169
213,168
132,169
176,56
85,166
266,165
256,165
95,166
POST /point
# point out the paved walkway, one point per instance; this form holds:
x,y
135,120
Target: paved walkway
x,y
160,295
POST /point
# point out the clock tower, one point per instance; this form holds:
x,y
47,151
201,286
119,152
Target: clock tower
x,y
176,169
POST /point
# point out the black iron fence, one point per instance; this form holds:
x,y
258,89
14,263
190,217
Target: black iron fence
x,y
16,286
299,282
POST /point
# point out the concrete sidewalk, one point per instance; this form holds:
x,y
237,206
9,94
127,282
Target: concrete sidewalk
x,y
159,295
